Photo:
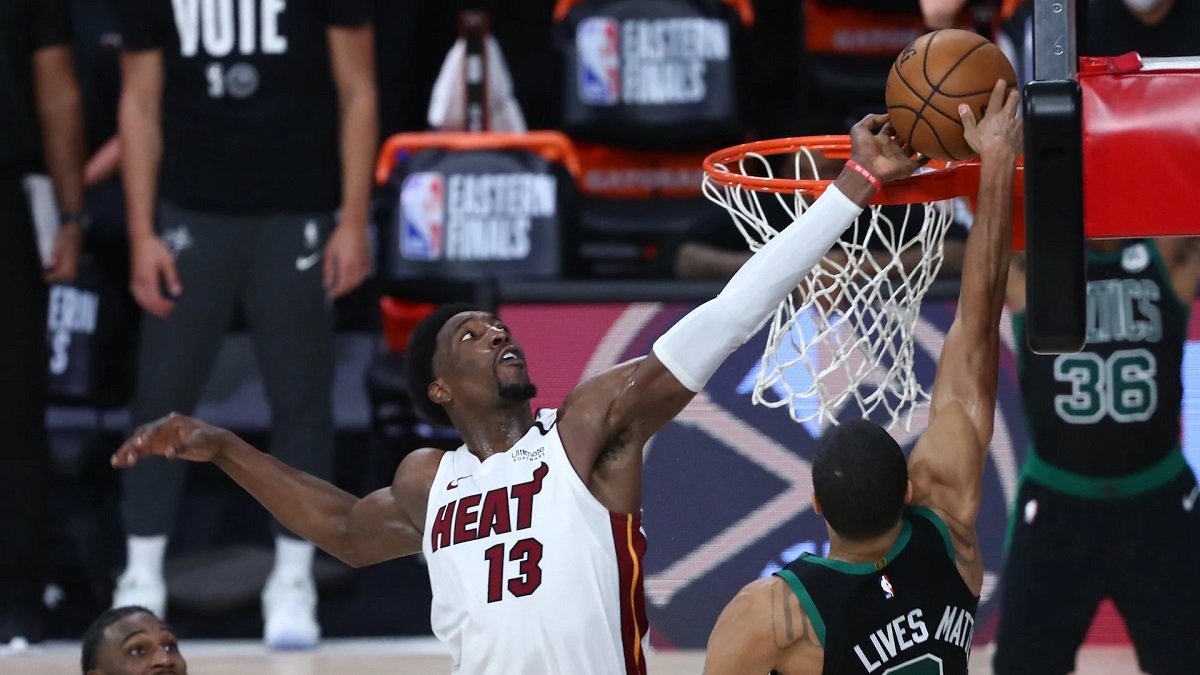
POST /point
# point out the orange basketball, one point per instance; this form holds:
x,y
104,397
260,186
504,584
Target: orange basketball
x,y
931,77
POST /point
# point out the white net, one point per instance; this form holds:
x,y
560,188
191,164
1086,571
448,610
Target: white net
x,y
846,336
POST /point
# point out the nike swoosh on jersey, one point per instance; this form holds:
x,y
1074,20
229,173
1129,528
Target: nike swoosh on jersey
x,y
306,262
454,483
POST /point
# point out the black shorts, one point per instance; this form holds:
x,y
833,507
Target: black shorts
x,y
1068,553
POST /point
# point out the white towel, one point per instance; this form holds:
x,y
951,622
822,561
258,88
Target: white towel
x,y
448,104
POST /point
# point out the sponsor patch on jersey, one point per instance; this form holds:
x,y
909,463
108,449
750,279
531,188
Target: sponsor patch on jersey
x,y
526,455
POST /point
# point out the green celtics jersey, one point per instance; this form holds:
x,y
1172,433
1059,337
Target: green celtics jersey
x,y
1113,409
910,613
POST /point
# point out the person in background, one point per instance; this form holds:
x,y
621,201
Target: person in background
x,y
246,155
41,130
131,641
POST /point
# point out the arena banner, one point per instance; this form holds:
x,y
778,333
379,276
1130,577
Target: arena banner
x,y
728,487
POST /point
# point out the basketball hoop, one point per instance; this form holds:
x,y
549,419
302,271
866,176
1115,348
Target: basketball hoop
x,y
846,336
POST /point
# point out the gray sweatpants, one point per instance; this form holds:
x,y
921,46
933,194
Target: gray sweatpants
x,y
271,267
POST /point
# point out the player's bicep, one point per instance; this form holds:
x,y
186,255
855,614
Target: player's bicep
x,y
383,525
946,466
964,388
651,397
378,529
625,404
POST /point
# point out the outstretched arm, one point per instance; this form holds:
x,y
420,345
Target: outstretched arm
x,y
381,526
761,630
946,467
620,409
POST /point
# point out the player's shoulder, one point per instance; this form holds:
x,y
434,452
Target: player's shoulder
x,y
418,469
752,608
771,605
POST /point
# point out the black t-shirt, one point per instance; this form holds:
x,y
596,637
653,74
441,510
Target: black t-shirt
x,y
1114,30
25,27
249,114
97,66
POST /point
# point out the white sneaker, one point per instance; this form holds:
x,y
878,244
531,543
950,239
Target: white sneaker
x,y
142,589
289,606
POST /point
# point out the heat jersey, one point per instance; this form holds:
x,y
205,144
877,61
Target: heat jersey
x,y
908,614
530,574
1113,409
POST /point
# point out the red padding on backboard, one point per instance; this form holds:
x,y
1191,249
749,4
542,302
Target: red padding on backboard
x,y
1141,139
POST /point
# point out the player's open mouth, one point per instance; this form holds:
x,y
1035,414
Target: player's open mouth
x,y
511,356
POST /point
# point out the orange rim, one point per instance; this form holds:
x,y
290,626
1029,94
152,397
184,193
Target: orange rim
x,y
944,181
550,145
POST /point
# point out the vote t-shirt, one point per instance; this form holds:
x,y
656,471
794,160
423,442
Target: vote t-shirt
x,y
249,110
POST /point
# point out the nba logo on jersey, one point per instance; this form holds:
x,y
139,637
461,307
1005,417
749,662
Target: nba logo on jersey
x,y
422,216
886,584
598,50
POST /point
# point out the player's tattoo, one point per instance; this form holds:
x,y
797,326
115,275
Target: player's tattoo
x,y
788,626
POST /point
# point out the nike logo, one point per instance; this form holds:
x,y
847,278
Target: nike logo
x,y
454,483
1189,500
305,262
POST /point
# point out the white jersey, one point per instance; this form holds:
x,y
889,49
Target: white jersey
x,y
530,574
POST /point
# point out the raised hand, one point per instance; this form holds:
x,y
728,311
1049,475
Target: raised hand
x,y
873,145
174,437
1000,128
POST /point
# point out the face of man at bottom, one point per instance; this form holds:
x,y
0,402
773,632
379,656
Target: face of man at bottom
x,y
139,644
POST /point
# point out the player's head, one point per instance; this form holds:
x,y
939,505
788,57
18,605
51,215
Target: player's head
x,y
860,480
461,357
131,641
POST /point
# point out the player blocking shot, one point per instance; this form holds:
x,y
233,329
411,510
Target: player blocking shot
x,y
898,590
531,529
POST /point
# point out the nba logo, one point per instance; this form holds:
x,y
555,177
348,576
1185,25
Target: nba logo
x,y
886,584
597,42
422,216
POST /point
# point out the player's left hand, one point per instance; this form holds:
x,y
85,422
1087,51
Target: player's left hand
x,y
347,258
64,260
174,437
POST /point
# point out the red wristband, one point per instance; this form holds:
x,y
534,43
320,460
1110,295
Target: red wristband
x,y
862,171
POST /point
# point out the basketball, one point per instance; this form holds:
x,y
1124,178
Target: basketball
x,y
931,77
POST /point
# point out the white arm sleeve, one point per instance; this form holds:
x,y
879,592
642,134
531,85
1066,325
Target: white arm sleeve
x,y
695,347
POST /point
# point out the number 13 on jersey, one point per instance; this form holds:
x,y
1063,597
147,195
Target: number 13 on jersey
x,y
527,553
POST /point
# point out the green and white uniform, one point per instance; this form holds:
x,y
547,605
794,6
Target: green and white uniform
x,y
1106,498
